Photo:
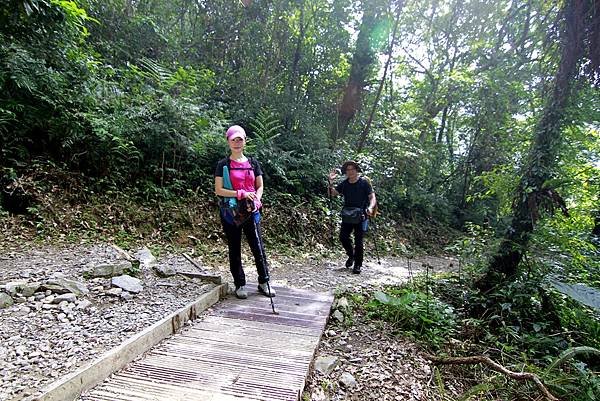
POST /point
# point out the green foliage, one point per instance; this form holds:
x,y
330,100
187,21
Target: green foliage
x,y
473,249
135,269
587,296
526,326
420,315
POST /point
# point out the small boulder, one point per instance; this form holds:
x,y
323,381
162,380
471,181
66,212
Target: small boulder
x,y
115,291
347,380
83,304
14,287
339,316
107,270
30,288
342,303
127,283
5,300
145,257
62,285
69,297
325,364
164,270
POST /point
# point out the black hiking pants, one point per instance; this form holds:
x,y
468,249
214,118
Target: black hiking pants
x,y
234,242
357,252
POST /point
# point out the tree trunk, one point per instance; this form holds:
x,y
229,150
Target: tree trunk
x,y
294,73
362,64
440,136
365,132
544,150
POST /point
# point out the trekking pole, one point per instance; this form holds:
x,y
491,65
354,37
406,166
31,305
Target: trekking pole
x,y
410,274
264,261
375,242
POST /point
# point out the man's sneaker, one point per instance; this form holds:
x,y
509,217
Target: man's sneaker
x,y
356,270
264,289
350,261
241,292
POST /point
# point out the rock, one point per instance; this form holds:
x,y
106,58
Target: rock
x,y
13,287
342,303
145,257
5,300
347,380
115,292
64,297
107,270
83,304
61,285
163,270
30,288
325,364
49,299
128,283
126,295
339,316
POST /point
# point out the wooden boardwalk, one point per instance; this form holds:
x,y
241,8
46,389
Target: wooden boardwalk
x,y
239,350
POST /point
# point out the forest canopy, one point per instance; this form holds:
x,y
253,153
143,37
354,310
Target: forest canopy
x,y
439,101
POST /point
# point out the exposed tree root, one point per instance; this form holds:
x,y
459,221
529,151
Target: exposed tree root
x,y
471,360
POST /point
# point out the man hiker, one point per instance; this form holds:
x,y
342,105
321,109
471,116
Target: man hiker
x,y
359,202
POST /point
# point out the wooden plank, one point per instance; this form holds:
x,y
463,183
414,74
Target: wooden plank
x,y
275,339
239,350
70,386
224,324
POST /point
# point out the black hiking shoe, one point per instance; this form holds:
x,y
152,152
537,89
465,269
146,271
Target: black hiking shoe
x,y
350,261
356,270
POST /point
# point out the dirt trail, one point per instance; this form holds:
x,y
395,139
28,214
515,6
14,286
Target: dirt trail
x,y
385,366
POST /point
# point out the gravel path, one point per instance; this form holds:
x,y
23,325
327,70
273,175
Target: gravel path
x,y
43,337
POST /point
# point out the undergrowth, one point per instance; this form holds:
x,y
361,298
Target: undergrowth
x,y
51,205
525,327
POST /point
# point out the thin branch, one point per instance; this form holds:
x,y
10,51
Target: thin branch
x,y
471,360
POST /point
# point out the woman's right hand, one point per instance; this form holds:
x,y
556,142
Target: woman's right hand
x,y
243,194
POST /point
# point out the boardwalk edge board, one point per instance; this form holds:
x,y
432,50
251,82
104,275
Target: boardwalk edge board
x,y
71,386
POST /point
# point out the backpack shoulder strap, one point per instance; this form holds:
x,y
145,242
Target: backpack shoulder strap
x,y
252,162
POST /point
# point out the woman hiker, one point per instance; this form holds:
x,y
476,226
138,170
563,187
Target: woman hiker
x,y
244,184
359,199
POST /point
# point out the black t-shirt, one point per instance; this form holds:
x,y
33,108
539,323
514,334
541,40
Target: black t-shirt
x,y
357,194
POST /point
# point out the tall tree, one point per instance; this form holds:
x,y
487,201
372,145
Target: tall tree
x,y
365,131
363,62
581,23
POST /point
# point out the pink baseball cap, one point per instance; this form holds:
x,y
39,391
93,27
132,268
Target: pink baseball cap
x,y
235,131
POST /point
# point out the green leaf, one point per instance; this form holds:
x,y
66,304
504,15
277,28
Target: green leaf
x,y
382,297
586,295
